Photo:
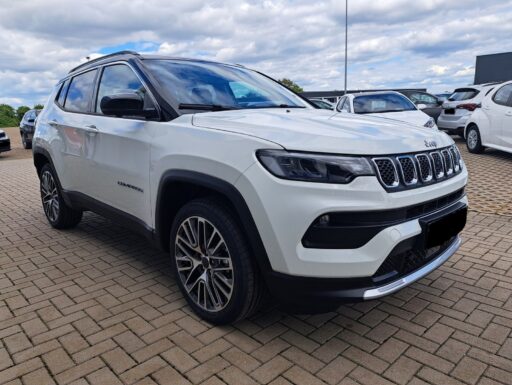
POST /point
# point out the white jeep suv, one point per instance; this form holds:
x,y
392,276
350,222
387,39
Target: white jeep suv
x,y
248,186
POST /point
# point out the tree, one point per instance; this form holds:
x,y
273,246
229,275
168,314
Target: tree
x,y
38,107
291,85
8,116
20,111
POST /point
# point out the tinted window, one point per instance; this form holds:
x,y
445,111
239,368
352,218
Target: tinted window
x,y
62,93
120,79
80,92
220,84
346,105
502,96
463,94
418,97
368,104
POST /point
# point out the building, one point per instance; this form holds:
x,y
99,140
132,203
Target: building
x,y
496,67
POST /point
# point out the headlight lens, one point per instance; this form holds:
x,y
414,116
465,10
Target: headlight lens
x,y
431,123
314,167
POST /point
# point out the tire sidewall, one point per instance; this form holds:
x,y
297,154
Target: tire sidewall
x,y
478,145
237,248
48,167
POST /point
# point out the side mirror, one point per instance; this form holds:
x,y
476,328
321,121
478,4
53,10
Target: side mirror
x,y
127,104
31,121
421,106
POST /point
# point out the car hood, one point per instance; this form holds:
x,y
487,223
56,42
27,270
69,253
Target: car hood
x,y
324,131
414,117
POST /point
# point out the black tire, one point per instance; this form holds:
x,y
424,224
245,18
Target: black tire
x,y
27,144
247,287
473,140
58,213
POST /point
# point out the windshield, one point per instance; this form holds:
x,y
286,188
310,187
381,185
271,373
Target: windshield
x,y
369,104
196,84
463,94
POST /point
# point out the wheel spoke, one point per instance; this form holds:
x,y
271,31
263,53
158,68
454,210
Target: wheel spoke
x,y
204,264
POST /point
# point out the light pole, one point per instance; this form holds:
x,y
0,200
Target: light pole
x,y
346,43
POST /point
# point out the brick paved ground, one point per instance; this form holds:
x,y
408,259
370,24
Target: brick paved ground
x,y
97,305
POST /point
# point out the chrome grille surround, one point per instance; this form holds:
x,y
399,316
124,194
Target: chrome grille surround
x,y
385,167
425,167
407,169
402,172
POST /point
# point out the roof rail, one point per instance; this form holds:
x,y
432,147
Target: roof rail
x,y
104,57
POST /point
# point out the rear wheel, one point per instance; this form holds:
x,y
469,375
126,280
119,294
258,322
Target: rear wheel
x,y
473,140
58,213
212,262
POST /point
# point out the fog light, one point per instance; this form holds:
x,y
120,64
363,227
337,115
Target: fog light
x,y
324,220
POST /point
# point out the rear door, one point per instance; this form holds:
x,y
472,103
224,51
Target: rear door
x,y
501,115
118,160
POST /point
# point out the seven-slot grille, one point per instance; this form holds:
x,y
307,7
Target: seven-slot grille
x,y
407,171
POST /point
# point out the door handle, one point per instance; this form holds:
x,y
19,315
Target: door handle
x,y
508,113
53,123
91,129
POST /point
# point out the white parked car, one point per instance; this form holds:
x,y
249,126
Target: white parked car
x,y
491,125
459,107
386,104
246,185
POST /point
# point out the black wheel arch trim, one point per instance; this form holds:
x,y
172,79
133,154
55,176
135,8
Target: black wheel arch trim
x,y
224,188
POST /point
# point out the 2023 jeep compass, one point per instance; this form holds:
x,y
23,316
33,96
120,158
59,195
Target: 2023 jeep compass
x,y
247,185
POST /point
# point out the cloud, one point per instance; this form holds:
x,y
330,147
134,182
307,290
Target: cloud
x,y
392,43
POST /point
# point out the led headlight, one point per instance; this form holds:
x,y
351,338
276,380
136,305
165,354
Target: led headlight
x,y
431,123
314,167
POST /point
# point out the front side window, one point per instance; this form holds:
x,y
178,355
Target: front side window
x,y
232,87
80,92
502,96
371,104
120,79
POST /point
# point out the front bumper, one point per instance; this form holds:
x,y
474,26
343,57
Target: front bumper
x,y
311,295
5,145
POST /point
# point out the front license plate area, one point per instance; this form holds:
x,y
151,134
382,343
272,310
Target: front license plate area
x,y
439,230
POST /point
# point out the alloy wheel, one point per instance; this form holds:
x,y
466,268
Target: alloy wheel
x,y
472,139
50,196
204,264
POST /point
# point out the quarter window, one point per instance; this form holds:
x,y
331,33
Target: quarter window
x,y
502,96
120,79
346,105
62,93
80,92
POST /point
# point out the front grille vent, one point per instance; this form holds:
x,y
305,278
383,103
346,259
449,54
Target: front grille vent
x,y
401,172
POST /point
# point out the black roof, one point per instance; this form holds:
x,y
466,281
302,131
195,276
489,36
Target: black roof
x,y
124,55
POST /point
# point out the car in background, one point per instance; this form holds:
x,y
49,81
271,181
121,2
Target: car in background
x,y
432,104
459,107
5,142
322,104
27,126
491,125
388,104
443,97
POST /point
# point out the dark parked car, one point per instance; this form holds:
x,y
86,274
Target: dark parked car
x,y
5,142
27,126
432,103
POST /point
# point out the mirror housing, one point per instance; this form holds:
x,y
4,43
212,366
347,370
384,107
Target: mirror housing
x,y
126,104
421,106
31,121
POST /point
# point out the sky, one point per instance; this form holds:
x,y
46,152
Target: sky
x,y
392,43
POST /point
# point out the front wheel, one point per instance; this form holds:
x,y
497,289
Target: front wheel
x,y
473,140
58,213
212,262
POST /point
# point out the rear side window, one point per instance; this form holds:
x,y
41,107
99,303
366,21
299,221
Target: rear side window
x,y
62,93
463,94
503,95
80,92
120,79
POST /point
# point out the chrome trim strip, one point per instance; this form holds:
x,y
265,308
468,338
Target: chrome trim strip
x,y
440,174
448,168
396,183
408,279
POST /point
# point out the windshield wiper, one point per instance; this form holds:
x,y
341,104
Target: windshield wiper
x,y
277,106
206,107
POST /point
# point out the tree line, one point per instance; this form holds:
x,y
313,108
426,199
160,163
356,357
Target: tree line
x,y
11,117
